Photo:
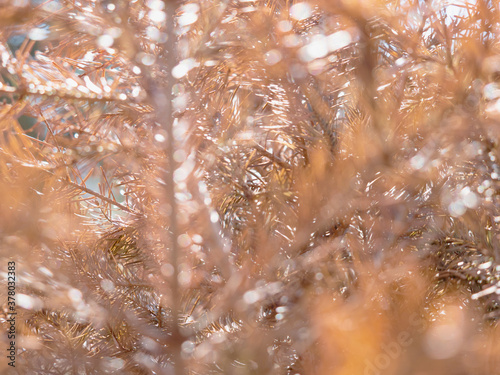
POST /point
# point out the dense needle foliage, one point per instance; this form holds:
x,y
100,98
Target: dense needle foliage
x,y
251,186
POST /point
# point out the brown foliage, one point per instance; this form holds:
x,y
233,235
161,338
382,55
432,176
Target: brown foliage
x,y
251,187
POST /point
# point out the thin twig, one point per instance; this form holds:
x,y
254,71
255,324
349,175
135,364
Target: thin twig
x,y
102,197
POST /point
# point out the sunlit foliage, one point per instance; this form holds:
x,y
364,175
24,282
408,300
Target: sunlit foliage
x,y
251,186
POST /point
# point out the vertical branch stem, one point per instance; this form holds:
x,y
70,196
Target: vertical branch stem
x,y
170,8
167,119
162,99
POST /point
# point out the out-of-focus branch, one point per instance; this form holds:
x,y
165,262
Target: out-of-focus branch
x,y
56,94
161,97
102,197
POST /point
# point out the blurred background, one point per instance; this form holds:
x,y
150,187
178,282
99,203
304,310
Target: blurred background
x,y
250,186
